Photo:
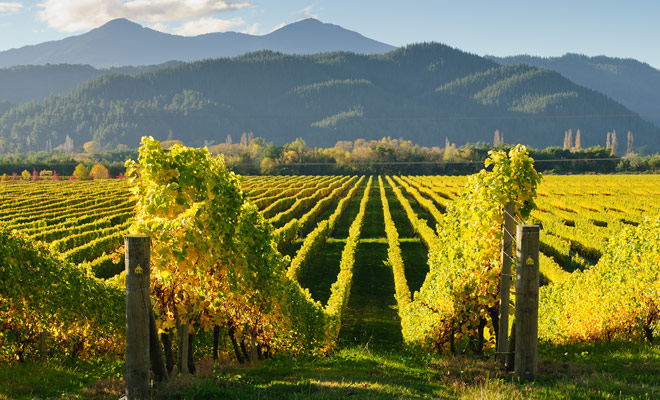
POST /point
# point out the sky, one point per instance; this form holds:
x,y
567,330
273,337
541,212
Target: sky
x,y
507,27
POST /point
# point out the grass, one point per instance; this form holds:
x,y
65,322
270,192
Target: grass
x,y
322,271
98,379
415,259
399,216
347,217
587,371
371,319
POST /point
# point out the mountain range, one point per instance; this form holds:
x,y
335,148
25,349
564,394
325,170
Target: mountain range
x,y
634,84
428,93
121,42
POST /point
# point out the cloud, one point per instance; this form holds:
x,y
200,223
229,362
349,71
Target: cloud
x,y
278,26
9,8
307,13
252,29
207,25
160,27
77,15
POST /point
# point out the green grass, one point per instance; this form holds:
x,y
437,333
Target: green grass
x,y
373,225
347,217
371,319
415,259
101,379
399,216
322,271
604,371
588,371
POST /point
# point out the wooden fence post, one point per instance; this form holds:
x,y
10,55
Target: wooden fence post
x,y
527,302
138,311
505,283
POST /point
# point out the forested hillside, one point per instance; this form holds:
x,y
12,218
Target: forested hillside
x,y
427,93
632,83
25,83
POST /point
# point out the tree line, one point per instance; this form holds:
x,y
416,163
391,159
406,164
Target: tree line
x,y
251,155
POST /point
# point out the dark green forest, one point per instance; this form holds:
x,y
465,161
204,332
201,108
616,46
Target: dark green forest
x,y
427,93
26,83
634,84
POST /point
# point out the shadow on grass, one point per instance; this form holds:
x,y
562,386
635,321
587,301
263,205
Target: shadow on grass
x,y
373,224
347,217
371,318
322,272
399,216
353,372
62,379
415,261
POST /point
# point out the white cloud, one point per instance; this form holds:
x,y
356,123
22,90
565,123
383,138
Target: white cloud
x,y
307,13
207,25
160,27
76,15
9,8
278,26
252,29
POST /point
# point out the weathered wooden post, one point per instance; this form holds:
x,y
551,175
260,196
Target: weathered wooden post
x,y
527,302
138,312
505,283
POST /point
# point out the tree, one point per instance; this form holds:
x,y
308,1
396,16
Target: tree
x,y
631,139
169,143
99,172
92,147
568,139
67,147
214,255
578,140
228,143
26,175
81,173
614,143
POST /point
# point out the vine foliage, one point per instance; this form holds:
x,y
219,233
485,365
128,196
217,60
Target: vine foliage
x,y
457,306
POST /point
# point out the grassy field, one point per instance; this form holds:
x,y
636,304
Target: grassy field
x,y
370,361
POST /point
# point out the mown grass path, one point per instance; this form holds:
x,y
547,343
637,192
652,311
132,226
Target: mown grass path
x,y
371,318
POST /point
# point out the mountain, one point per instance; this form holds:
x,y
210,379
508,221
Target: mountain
x,y
25,83
122,42
634,84
426,93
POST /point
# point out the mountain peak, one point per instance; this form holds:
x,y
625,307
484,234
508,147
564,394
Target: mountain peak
x,y
309,20
305,24
120,23
123,42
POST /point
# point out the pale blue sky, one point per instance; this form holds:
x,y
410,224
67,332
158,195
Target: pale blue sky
x,y
629,29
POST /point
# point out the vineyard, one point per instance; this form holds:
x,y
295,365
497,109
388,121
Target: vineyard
x,y
599,260
86,221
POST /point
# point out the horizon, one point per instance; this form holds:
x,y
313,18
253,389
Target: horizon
x,y
543,30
